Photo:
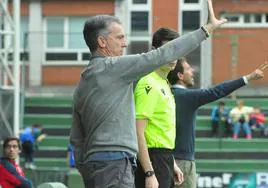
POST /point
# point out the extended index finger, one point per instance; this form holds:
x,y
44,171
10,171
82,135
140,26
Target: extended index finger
x,y
263,66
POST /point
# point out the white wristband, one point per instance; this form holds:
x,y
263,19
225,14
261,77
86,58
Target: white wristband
x,y
245,79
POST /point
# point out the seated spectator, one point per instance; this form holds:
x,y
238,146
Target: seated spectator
x,y
240,117
30,137
70,156
220,113
257,120
11,174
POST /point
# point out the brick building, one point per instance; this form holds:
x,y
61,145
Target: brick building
x,y
56,52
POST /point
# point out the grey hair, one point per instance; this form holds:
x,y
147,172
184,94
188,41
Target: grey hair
x,y
97,26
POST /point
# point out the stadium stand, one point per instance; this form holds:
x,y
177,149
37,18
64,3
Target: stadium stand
x,y
213,154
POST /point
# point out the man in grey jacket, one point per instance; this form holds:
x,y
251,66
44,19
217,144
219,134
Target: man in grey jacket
x,y
103,129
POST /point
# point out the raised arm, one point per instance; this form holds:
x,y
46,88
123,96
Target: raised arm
x,y
213,22
132,67
208,95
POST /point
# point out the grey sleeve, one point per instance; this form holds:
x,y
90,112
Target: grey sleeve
x,y
77,138
131,67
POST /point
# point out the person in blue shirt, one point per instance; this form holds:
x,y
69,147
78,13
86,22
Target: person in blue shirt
x,y
70,156
220,113
30,137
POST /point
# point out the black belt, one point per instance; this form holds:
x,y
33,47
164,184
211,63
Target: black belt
x,y
160,151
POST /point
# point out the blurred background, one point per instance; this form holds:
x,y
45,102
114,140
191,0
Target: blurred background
x,y
42,53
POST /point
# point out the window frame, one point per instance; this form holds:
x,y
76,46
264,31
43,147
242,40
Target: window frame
x,y
132,2
65,22
65,48
131,31
188,7
243,24
139,8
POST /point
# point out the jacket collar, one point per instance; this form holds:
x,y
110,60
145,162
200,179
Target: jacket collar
x,y
178,86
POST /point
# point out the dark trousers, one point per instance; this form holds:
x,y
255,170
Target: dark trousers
x,y
163,164
108,174
28,151
227,129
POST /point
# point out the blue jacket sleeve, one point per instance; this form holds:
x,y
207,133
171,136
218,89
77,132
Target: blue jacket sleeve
x,y
24,182
203,96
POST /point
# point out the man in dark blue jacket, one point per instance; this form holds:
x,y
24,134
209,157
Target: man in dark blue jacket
x,y
187,103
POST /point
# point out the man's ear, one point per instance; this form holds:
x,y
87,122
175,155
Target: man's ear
x,y
180,76
101,41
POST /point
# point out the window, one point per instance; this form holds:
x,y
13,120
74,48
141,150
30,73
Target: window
x,y
64,39
2,44
55,32
232,17
139,27
191,1
139,1
76,40
136,47
246,20
65,32
24,32
191,20
61,56
257,18
86,56
139,23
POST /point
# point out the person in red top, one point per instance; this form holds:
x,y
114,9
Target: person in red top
x,y
11,174
257,120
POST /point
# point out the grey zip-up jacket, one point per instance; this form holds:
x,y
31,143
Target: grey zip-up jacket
x,y
103,105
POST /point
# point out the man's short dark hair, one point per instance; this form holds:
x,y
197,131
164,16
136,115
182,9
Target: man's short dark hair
x,y
9,139
221,103
96,26
173,74
163,34
37,126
